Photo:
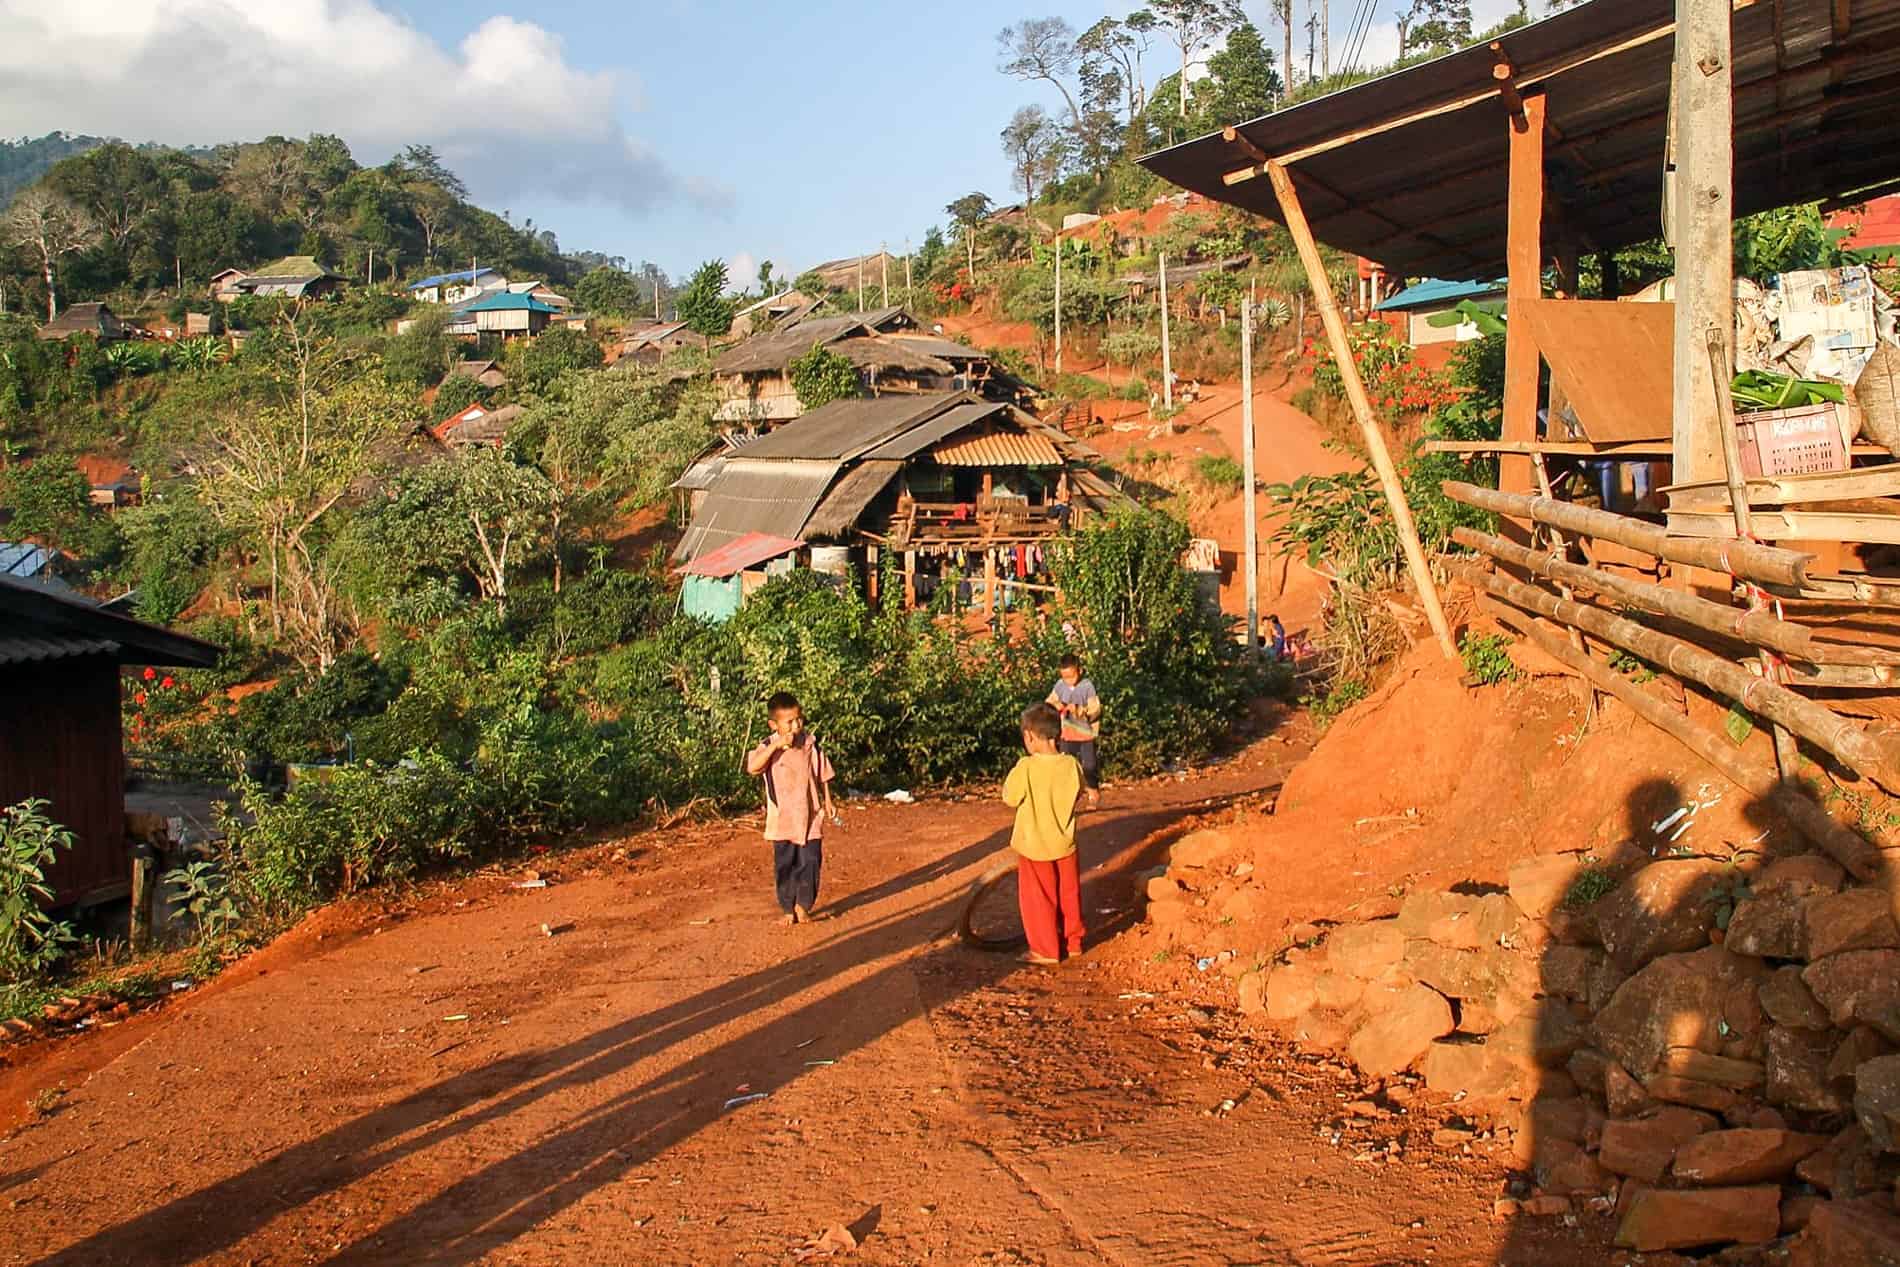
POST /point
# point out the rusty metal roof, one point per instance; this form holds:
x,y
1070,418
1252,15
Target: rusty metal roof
x,y
739,554
1410,169
997,448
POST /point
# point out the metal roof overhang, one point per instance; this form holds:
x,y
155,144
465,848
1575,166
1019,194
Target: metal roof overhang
x,y
739,554
1411,169
775,497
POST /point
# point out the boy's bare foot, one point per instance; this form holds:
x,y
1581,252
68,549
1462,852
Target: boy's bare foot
x,y
792,918
800,915
1040,961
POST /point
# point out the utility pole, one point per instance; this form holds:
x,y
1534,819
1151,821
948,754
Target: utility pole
x,y
1058,303
1246,461
1701,206
372,268
1312,30
179,264
860,283
969,245
883,275
1325,37
908,301
1167,353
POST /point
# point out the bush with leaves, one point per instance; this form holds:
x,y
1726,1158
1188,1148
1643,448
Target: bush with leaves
x,y
31,941
821,376
458,392
551,354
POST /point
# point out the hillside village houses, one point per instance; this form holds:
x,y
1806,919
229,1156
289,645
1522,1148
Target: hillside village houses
x,y
88,318
293,277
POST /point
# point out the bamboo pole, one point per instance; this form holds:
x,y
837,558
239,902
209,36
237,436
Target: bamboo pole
x,y
1761,628
1876,755
1766,565
1167,352
1361,404
1861,858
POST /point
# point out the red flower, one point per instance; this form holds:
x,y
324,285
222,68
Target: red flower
x,y
167,683
139,698
150,673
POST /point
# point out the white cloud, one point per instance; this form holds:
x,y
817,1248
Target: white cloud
x,y
741,270
504,108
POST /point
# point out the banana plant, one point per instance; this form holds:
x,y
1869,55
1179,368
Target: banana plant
x,y
1489,320
1763,389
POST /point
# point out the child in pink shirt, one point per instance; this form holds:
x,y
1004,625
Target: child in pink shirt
x,y
797,777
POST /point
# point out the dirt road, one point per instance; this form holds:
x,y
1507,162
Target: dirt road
x,y
440,1082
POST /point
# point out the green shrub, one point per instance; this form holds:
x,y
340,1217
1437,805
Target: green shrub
x,y
1220,473
1487,658
822,376
458,392
31,941
1339,697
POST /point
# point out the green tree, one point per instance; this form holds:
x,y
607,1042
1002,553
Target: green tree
x,y
968,212
458,392
50,502
1033,145
1245,85
703,305
552,354
1041,49
419,356
1192,25
822,376
608,289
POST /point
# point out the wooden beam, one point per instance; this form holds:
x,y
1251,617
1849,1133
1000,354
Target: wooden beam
x,y
1335,324
1506,75
1701,223
1524,255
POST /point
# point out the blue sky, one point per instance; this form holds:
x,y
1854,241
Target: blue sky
x,y
667,130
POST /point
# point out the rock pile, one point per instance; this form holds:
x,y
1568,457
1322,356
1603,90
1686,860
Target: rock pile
x,y
1714,1046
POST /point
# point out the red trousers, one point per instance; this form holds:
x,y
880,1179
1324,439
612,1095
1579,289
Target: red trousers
x,y
1050,894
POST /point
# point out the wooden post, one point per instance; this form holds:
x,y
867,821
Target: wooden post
x,y
860,283
1167,354
1322,289
1058,303
910,578
1246,463
1701,206
871,573
883,275
1524,262
144,877
989,581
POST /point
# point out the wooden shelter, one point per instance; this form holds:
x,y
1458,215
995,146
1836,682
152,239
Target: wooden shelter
x,y
1585,133
60,725
89,318
964,489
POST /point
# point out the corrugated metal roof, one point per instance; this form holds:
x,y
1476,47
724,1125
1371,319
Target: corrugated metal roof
x,y
32,614
845,428
768,352
508,301
1432,293
774,497
23,558
838,514
700,475
890,354
949,422
739,554
941,348
466,275
998,448
1416,172
29,650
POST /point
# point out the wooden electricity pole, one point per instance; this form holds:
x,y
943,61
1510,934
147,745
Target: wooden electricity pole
x,y
1058,303
1246,462
884,274
1701,208
860,283
1167,354
1302,233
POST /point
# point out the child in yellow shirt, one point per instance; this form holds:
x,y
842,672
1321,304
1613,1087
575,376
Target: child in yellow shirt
x,y
1043,790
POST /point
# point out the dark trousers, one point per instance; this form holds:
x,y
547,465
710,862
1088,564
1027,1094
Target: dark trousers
x,y
1050,895
795,868
1083,750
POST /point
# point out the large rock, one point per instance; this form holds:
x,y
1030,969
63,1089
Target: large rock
x,y
1859,987
1662,909
1773,924
1744,1156
1683,1000
1365,950
1338,990
1292,989
1836,1168
1623,1094
1806,872
1200,849
1544,1038
1404,1023
1565,971
1170,913
1471,1073
1538,885
1862,1044
1877,1101
1662,1219
1856,919
1252,991
1463,974
1562,1166
1422,909
1643,1147
1786,999
1797,1070
1858,1233
1162,888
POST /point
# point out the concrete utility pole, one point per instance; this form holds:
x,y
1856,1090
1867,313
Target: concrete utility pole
x,y
1246,462
372,268
1701,208
907,297
884,274
1167,353
860,283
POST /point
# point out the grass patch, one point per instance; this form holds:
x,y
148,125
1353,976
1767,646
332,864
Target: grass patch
x,y
1219,472
1591,884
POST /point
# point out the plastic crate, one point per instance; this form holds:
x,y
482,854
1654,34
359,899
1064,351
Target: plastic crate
x,y
1800,441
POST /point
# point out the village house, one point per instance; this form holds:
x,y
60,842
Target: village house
x,y
769,313
478,424
540,290
508,315
488,373
959,490
61,726
293,277
648,342
452,288
88,318
1425,312
224,284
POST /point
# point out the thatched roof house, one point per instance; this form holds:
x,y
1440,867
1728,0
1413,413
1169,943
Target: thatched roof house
x,y
90,318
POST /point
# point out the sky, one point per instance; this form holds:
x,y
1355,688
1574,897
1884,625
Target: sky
x,y
676,131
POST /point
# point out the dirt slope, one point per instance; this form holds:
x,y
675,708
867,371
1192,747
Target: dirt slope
x,y
329,1102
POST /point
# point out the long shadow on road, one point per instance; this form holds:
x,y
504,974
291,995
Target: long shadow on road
x,y
501,1198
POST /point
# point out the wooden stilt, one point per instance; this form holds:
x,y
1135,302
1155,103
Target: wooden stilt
x,y
1524,259
1361,404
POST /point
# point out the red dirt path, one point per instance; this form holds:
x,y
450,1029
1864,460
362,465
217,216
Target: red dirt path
x,y
317,1104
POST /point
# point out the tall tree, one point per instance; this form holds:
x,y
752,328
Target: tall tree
x,y
1041,48
1192,25
968,212
703,305
424,162
1435,26
1243,80
765,277
49,226
1034,147
115,183
1121,44
1282,11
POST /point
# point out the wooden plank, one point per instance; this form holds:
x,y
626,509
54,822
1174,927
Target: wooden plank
x,y
1302,234
1701,212
1791,524
1783,490
1612,361
1524,259
1585,449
